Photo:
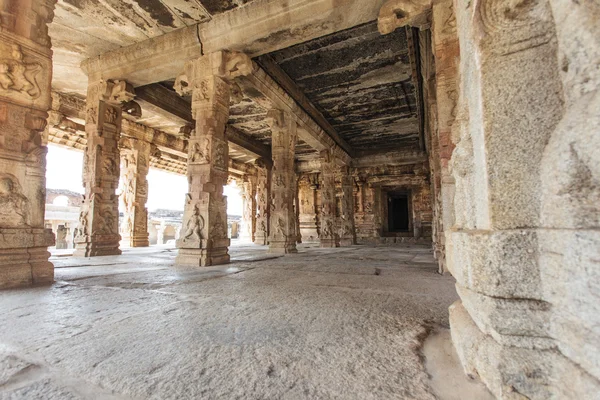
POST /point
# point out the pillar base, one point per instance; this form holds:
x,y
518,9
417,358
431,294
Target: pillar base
x,y
346,242
139,242
200,254
327,243
282,248
261,240
25,266
102,245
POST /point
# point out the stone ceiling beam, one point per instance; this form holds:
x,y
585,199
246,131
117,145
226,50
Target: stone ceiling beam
x,y
153,60
257,28
263,89
264,26
165,99
237,138
170,103
275,71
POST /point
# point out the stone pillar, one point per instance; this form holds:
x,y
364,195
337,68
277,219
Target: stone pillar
x,y
446,51
347,231
329,229
25,77
263,203
135,193
527,322
160,233
282,238
249,208
307,194
204,238
297,210
98,221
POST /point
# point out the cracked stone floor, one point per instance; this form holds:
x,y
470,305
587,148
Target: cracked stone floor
x,y
346,323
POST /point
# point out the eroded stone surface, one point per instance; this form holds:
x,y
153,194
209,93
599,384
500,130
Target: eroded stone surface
x,y
335,323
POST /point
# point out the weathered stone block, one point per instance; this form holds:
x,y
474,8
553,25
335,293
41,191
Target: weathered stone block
x,y
516,322
500,264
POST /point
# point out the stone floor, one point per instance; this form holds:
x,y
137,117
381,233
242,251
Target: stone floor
x,y
345,323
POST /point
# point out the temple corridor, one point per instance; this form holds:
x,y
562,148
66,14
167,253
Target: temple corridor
x,y
300,199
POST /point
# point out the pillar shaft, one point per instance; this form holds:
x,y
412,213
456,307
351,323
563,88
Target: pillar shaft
x,y
329,227
263,199
25,77
249,208
135,193
282,238
347,231
98,233
204,238
307,193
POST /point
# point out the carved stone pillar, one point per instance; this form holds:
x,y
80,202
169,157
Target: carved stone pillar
x,y
282,237
307,194
297,209
329,230
98,233
263,200
204,238
347,231
249,208
135,193
25,77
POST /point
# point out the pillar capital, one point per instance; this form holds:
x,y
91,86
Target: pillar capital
x,y
398,13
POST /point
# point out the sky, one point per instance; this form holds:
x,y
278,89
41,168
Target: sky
x,y
64,168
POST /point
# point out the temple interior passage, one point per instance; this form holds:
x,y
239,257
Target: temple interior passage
x,y
300,199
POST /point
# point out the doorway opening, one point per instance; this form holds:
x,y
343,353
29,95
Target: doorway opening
x,y
398,212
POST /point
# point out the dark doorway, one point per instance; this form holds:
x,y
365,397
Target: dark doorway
x,y
398,218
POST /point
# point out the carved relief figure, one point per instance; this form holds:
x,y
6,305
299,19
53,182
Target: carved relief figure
x,y
106,222
109,166
16,75
328,229
200,153
110,115
220,156
83,223
280,227
13,204
194,225
218,231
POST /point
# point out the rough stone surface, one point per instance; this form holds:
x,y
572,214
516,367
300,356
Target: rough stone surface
x,y
325,323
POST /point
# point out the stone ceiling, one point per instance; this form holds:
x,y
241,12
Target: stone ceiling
x,y
361,81
85,28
